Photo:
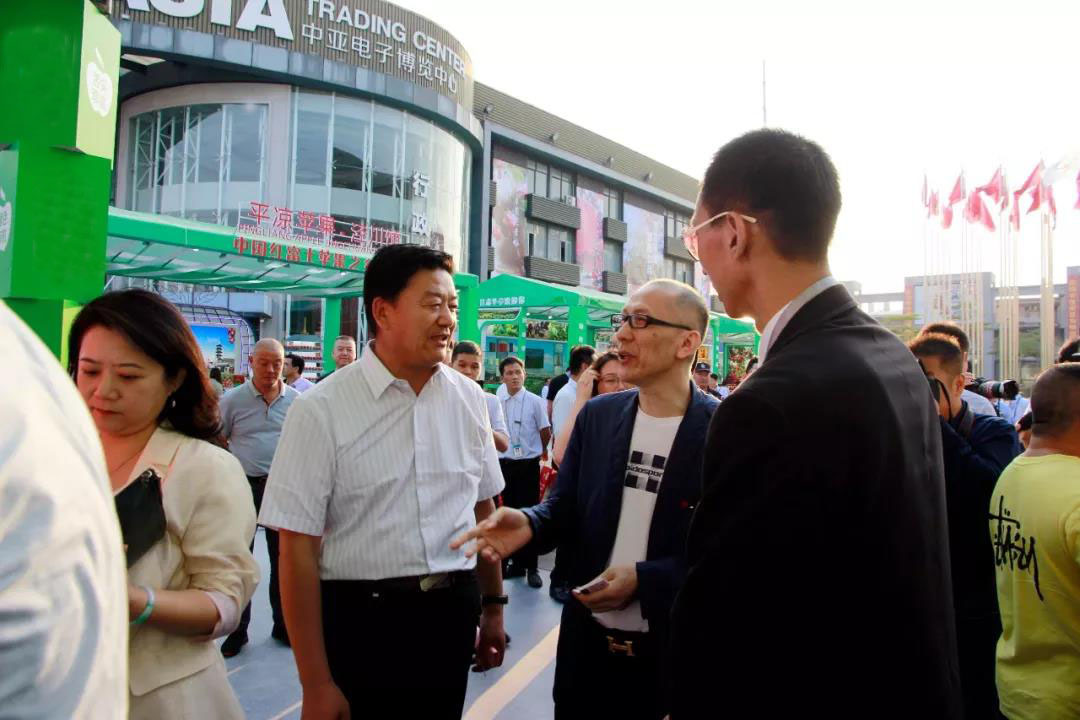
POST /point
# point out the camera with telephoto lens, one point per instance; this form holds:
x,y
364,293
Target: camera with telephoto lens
x,y
995,389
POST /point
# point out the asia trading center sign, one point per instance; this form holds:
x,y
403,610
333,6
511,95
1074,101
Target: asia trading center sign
x,y
374,35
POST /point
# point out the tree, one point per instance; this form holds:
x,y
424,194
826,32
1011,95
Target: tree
x,y
902,326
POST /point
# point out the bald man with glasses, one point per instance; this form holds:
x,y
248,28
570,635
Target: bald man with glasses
x,y
620,510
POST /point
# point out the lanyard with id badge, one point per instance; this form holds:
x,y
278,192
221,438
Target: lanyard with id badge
x,y
518,452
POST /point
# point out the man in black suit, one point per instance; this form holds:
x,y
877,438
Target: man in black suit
x,y
819,580
620,510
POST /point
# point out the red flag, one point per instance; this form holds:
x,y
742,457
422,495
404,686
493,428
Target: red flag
x,y
996,188
1077,206
934,208
1014,212
958,192
1049,190
975,211
946,217
1037,194
1035,178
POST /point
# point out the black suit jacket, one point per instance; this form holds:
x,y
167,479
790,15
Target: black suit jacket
x,y
819,576
582,513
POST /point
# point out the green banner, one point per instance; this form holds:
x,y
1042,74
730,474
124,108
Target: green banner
x,y
100,77
9,165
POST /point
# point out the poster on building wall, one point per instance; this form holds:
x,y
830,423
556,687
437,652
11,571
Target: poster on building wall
x,y
643,254
508,225
218,346
590,237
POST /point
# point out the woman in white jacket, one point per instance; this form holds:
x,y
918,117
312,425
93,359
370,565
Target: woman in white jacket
x,y
184,503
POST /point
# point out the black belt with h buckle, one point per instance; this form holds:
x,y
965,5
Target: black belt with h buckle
x,y
419,583
621,642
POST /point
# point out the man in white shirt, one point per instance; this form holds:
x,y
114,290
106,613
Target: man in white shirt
x,y
468,360
378,468
978,404
294,373
63,586
581,359
627,486
530,433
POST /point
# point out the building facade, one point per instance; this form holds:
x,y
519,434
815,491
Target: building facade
x,y
355,124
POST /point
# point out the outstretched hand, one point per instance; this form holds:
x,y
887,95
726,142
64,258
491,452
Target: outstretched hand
x,y
503,533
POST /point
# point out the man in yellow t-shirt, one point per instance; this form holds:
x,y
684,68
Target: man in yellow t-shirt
x,y
1035,530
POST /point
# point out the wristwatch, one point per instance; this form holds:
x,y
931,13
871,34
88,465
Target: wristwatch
x,y
486,600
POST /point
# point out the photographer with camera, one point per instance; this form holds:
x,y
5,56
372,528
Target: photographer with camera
x,y
978,392
976,449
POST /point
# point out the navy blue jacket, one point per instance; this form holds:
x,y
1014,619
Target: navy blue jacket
x,y
972,467
581,515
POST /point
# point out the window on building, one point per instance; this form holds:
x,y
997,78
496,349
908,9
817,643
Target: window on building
x,y
614,204
552,242
675,223
613,256
681,270
536,177
561,184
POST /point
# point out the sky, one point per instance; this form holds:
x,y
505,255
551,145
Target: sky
x,y
892,92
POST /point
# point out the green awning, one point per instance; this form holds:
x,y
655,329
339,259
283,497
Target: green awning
x,y
177,250
547,301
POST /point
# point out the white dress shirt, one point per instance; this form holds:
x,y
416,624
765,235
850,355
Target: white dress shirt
x,y
495,414
779,321
526,415
386,477
63,588
978,404
563,404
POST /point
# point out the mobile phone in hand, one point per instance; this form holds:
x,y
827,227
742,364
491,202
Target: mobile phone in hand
x,y
594,587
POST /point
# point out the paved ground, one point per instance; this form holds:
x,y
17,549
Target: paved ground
x,y
265,680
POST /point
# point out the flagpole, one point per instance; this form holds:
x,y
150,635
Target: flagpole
x,y
1046,300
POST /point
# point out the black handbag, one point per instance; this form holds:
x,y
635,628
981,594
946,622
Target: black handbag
x,y
142,514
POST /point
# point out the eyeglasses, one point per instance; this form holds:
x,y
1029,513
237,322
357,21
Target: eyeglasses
x,y
689,235
640,321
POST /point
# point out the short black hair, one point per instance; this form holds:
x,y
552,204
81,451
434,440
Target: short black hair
x,y
941,346
752,363
1070,351
465,347
952,330
391,269
510,360
714,376
581,357
1055,400
787,182
297,362
215,374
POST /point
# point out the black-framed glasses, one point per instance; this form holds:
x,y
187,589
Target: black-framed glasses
x,y
639,321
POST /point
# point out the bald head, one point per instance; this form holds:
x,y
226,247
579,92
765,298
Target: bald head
x,y
686,304
270,346
1055,402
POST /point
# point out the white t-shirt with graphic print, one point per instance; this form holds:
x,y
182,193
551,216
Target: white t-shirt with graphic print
x,y
650,447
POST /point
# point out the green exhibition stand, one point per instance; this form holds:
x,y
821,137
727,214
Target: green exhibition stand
x,y
60,62
584,310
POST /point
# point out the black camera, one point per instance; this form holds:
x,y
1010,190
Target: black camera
x,y
995,389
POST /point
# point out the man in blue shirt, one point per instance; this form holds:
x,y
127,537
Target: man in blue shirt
x,y
976,449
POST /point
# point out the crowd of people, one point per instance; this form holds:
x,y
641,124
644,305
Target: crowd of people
x,y
847,530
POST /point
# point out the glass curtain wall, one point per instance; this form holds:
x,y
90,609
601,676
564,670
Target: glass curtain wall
x,y
397,176
201,162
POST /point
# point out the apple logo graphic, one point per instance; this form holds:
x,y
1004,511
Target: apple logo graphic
x,y
99,86
5,221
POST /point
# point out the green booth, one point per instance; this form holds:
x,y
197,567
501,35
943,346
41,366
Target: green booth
x,y
732,343
539,322
525,317
165,248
